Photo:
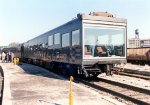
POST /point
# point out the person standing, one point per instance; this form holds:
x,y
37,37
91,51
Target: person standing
x,y
0,56
3,57
12,57
9,56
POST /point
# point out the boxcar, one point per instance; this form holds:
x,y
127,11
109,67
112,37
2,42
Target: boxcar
x,y
87,45
138,55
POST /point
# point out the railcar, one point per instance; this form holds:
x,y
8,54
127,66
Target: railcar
x,y
87,45
138,55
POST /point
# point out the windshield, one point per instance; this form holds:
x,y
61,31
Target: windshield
x,y
104,42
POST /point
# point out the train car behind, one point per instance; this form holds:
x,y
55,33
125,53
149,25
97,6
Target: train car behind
x,y
138,55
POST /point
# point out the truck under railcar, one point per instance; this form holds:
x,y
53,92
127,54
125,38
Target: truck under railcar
x,y
88,45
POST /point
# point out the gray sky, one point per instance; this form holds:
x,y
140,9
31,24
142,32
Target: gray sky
x,y
21,20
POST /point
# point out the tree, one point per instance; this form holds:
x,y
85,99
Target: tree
x,y
14,44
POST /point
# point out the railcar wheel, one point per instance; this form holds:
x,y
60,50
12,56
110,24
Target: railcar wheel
x,y
95,75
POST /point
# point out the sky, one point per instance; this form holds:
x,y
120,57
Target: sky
x,y
22,20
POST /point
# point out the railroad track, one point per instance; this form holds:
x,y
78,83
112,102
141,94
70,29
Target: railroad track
x,y
135,75
130,74
130,93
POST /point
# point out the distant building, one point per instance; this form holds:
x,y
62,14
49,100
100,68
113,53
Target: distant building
x,y
145,43
134,43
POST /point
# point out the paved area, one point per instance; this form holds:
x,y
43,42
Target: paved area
x,y
31,85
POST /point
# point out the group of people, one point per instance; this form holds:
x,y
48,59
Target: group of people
x,y
7,57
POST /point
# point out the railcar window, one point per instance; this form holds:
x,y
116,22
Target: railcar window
x,y
57,38
75,37
104,41
50,40
65,39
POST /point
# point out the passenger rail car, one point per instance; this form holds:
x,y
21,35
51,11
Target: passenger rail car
x,y
88,45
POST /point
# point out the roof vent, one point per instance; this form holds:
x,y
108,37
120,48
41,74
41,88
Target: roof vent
x,y
105,14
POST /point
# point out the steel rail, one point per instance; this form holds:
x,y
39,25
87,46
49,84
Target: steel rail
x,y
130,74
135,75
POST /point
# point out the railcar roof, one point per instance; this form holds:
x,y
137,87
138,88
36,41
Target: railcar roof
x,y
102,18
85,17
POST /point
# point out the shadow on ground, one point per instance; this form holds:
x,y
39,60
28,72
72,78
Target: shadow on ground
x,y
38,71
